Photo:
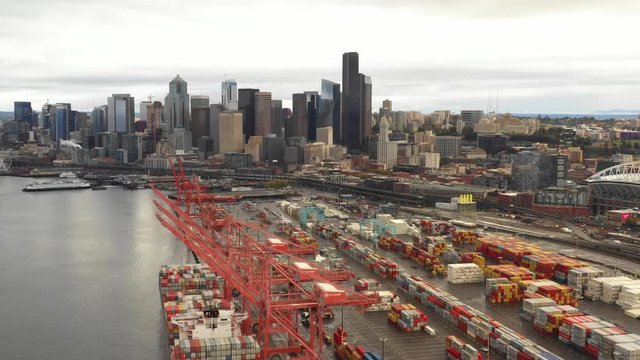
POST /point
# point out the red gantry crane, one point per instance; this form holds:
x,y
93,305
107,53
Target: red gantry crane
x,y
272,284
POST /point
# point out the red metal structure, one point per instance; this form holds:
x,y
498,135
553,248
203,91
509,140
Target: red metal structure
x,y
268,283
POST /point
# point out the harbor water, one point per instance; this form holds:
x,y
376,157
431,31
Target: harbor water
x,y
79,274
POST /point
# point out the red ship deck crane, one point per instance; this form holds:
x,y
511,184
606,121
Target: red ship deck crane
x,y
266,281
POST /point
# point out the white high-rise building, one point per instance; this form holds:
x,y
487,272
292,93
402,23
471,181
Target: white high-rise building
x,y
143,110
387,150
230,95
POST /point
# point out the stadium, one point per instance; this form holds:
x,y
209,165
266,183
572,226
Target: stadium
x,y
617,187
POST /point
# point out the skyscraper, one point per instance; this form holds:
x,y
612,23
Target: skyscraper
x,y
247,105
276,118
367,89
230,95
176,105
230,130
120,113
99,119
387,150
200,118
263,113
312,114
214,114
47,116
61,121
143,110
299,124
155,118
329,108
356,103
22,111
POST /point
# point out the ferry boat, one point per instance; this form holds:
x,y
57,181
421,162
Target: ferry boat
x,y
74,184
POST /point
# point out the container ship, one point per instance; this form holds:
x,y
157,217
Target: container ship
x,y
199,323
55,185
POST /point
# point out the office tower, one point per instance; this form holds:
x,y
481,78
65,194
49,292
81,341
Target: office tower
x,y
471,117
325,135
200,118
133,145
46,116
386,104
287,122
312,114
532,170
299,124
155,118
22,111
351,134
356,103
181,140
205,148
143,110
120,113
387,150
277,118
81,120
274,150
448,146
329,108
230,95
230,130
61,121
214,132
263,113
367,89
176,105
247,105
492,144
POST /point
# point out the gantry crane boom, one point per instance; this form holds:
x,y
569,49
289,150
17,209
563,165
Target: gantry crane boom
x,y
267,281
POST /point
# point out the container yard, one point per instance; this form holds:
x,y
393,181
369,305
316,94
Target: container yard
x,y
423,280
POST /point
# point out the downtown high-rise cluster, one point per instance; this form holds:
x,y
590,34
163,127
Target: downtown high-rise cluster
x,y
244,121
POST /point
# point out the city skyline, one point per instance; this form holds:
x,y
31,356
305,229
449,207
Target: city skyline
x,y
574,57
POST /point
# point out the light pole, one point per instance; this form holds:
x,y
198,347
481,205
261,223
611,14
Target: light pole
x,y
383,339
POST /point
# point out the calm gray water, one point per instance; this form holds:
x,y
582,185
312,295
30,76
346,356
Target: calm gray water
x,y
78,274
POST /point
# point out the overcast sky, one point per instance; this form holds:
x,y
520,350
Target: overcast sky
x,y
543,55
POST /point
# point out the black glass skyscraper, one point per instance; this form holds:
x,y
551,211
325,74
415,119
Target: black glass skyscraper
x,y
356,103
247,105
351,95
